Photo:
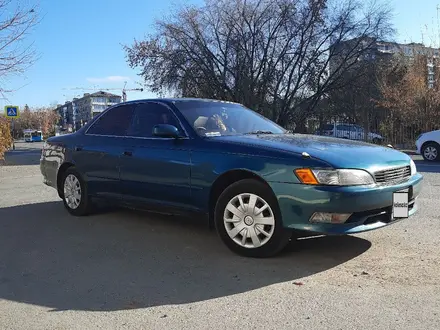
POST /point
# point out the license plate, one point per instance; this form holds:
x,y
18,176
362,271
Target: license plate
x,y
400,204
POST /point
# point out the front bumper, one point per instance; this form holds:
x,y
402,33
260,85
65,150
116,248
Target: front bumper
x,y
371,206
49,173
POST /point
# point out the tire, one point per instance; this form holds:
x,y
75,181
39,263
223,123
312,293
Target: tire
x,y
81,205
431,152
244,234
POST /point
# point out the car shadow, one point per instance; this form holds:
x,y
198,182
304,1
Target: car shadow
x,y
127,259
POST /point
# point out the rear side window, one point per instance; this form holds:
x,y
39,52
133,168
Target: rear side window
x,y
114,122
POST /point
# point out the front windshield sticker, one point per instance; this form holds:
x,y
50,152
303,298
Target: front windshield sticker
x,y
213,134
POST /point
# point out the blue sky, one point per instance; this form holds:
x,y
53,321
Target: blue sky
x,y
79,44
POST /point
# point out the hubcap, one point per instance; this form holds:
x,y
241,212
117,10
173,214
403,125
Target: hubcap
x,y
430,153
249,220
72,191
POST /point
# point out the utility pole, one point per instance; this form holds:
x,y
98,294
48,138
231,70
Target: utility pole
x,y
13,130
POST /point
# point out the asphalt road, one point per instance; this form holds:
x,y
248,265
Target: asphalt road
x,y
123,269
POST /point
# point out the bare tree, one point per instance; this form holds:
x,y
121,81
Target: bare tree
x,y
411,105
16,21
44,118
279,57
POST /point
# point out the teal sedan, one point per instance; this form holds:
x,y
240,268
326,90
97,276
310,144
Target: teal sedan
x,y
258,184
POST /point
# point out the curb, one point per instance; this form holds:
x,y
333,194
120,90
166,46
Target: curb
x,y
410,152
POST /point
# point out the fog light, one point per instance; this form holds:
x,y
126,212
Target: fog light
x,y
320,217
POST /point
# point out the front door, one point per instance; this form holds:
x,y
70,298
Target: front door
x,y
156,170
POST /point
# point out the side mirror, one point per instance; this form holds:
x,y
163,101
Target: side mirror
x,y
166,131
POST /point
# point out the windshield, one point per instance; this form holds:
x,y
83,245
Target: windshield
x,y
220,118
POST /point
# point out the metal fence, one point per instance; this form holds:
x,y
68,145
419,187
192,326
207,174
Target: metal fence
x,y
400,134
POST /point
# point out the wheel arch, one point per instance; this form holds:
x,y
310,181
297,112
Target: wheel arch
x,y
60,175
225,180
428,142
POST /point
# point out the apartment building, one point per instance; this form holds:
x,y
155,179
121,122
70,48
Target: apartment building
x,y
76,113
383,50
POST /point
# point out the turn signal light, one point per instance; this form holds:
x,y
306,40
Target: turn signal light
x,y
306,176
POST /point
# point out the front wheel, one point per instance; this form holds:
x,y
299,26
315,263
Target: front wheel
x,y
430,152
75,197
248,220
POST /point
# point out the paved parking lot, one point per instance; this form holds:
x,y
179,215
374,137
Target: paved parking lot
x,y
124,269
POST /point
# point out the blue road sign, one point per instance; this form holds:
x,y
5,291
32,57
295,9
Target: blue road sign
x,y
12,111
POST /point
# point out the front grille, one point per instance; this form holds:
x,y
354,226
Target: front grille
x,y
396,174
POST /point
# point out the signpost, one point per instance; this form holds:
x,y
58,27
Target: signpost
x,y
13,112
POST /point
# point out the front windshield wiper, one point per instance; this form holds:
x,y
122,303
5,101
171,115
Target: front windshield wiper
x,y
259,132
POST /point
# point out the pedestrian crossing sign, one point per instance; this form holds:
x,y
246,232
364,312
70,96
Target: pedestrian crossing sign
x,y
12,111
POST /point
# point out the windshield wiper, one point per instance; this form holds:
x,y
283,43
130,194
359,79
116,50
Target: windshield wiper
x,y
259,132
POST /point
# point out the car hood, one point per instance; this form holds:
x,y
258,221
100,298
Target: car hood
x,y
340,153
430,134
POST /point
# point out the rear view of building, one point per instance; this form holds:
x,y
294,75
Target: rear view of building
x,y
76,113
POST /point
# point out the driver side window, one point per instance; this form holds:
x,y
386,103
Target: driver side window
x,y
148,115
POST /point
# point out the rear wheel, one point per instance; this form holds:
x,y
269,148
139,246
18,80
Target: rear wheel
x,y
75,197
430,152
248,220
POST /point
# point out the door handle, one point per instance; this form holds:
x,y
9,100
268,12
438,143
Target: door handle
x,y
128,153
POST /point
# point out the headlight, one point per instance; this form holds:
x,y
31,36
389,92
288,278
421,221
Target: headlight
x,y
413,167
340,177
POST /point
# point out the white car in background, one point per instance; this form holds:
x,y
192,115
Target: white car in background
x,y
349,131
428,145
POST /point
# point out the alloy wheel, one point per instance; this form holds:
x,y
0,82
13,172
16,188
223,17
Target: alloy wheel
x,y
430,153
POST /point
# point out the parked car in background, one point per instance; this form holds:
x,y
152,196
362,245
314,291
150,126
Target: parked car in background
x,y
428,145
349,131
257,183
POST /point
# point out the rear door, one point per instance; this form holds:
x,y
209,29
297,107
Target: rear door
x,y
98,154
155,169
